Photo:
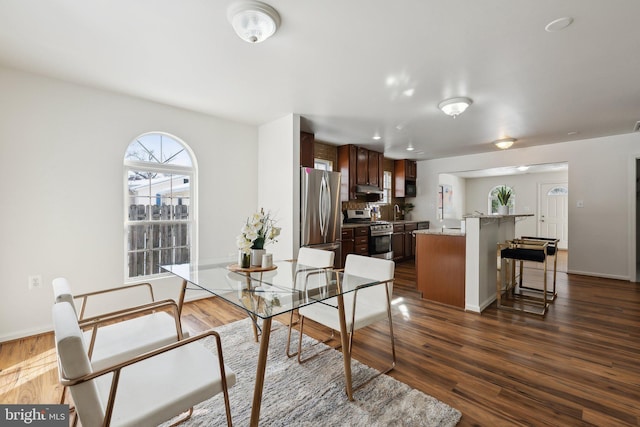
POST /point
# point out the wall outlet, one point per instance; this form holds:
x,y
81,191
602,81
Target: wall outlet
x,y
35,282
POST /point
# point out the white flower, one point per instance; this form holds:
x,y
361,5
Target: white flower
x,y
258,230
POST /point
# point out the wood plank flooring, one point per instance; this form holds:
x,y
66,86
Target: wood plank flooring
x,y
578,366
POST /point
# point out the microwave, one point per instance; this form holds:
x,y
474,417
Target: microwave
x,y
410,189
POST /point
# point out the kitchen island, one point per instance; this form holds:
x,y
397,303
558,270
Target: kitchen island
x,y
440,263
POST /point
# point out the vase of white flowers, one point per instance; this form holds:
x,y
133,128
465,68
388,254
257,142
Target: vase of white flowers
x,y
258,231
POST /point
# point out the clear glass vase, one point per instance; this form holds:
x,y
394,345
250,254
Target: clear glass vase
x,y
244,259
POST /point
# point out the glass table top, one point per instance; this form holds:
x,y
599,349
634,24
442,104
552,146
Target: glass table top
x,y
268,293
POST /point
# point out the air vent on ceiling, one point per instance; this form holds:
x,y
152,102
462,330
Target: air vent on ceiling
x,y
636,128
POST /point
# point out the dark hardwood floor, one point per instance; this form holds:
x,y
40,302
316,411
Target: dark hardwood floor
x,y
577,366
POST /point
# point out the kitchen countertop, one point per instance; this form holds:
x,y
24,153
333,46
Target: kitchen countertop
x,y
442,231
354,225
398,221
497,216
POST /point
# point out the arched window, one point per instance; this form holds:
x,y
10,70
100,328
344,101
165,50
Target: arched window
x,y
493,200
159,216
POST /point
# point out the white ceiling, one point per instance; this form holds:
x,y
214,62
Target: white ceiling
x,y
513,170
347,66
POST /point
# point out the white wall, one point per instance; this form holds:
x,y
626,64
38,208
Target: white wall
x,y
458,186
279,180
61,153
602,233
525,188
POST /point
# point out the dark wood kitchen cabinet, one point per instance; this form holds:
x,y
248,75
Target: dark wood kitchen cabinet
x,y
361,236
359,166
362,166
405,174
355,240
403,242
307,155
409,239
374,168
347,243
397,242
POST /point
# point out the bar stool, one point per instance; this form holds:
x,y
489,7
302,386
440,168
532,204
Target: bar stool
x,y
552,250
524,298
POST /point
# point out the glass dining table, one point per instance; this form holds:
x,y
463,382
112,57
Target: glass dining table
x,y
264,293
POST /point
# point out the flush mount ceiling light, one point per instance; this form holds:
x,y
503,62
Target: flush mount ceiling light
x,y
558,24
504,143
454,106
253,21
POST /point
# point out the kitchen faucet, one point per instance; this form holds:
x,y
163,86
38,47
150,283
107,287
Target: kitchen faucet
x,y
396,210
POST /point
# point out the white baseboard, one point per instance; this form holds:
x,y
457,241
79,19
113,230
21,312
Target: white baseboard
x,y
487,302
604,276
25,333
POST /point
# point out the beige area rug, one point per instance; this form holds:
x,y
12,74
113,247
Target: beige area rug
x,y
312,394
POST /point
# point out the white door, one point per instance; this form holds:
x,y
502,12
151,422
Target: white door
x,y
553,212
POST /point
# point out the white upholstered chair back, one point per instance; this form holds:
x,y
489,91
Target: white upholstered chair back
x,y
315,257
74,363
372,268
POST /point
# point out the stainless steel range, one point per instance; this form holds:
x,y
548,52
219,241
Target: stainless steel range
x,y
379,232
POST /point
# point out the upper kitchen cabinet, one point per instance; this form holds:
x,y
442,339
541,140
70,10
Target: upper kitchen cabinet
x,y
361,169
405,176
307,154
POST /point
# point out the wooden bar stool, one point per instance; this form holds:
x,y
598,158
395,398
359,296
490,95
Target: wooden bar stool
x,y
552,250
523,298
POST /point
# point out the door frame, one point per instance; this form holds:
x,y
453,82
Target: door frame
x,y
633,210
540,196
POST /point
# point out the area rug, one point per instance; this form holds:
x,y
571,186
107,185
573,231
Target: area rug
x,y
312,394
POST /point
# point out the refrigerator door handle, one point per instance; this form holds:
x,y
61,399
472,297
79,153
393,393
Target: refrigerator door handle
x,y
324,206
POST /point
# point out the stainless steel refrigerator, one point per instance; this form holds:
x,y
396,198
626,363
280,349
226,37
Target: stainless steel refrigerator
x,y
320,212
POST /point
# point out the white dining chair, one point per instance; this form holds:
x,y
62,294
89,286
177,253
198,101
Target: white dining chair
x,y
115,336
147,389
320,260
362,307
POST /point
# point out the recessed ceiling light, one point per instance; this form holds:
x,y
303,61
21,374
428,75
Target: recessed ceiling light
x,y
410,148
558,24
504,143
408,92
377,137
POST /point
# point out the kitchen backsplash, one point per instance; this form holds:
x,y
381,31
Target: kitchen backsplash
x,y
386,211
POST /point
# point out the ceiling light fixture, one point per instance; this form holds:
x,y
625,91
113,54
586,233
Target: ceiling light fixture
x,y
454,106
410,147
253,21
558,24
377,137
504,143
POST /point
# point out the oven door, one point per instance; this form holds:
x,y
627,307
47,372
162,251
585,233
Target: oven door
x,y
380,246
